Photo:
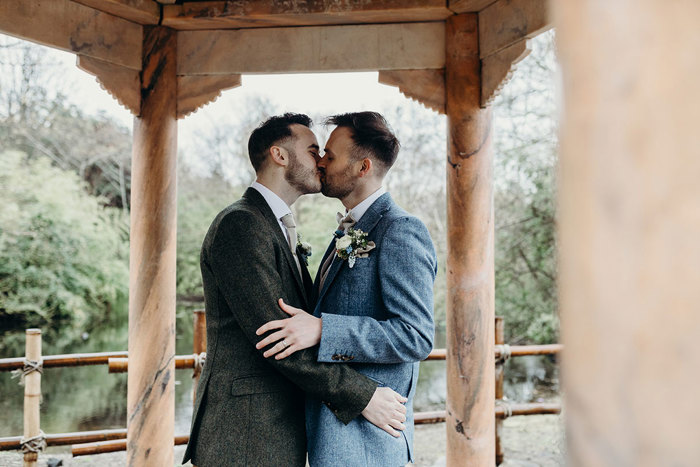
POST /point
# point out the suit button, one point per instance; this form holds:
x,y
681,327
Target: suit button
x,y
351,358
335,357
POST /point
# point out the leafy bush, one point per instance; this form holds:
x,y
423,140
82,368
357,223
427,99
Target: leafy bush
x,y
64,258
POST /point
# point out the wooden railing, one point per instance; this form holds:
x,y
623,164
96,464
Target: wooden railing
x,y
102,441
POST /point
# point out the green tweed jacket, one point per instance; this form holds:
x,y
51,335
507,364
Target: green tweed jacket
x,y
250,410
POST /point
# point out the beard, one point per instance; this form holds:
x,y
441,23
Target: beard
x,y
338,186
303,179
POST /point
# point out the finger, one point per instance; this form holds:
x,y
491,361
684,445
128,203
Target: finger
x,y
287,352
401,398
271,339
397,425
269,326
400,417
401,408
290,310
279,347
391,431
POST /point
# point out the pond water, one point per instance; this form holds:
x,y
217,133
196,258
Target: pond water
x,y
90,398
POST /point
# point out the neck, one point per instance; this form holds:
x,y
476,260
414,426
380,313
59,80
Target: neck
x,y
279,186
360,194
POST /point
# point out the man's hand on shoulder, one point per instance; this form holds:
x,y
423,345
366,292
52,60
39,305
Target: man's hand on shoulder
x,y
387,411
301,331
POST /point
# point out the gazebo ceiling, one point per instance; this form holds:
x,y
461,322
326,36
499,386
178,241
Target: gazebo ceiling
x,y
217,41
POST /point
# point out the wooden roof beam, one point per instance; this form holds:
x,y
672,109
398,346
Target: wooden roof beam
x,y
192,15
506,22
138,11
468,6
74,28
312,49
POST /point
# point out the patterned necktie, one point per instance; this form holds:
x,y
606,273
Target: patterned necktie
x,y
344,223
288,222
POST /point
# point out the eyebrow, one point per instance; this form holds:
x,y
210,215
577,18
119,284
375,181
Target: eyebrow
x,y
314,146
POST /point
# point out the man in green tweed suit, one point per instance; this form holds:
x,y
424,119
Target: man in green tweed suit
x,y
250,410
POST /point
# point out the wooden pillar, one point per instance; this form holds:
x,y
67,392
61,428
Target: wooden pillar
x,y
500,339
629,212
32,394
151,394
470,274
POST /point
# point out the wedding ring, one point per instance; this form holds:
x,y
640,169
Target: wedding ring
x,y
284,343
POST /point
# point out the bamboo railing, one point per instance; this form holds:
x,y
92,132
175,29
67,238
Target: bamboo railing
x,y
103,441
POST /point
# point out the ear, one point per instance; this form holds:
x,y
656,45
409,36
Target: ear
x,y
279,155
365,167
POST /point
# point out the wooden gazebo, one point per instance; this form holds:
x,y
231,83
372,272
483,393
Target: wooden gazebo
x,y
629,199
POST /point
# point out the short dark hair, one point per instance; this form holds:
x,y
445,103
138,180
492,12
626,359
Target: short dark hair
x,y
371,135
272,131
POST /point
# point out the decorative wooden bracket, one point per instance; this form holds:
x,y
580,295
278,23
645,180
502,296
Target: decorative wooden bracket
x,y
498,68
194,92
120,82
424,86
123,84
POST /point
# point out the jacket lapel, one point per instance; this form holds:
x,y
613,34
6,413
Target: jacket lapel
x,y
366,224
257,200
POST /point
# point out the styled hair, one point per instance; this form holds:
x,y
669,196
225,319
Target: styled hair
x,y
274,130
371,136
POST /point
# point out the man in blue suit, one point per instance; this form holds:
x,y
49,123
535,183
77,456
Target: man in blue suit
x,y
373,296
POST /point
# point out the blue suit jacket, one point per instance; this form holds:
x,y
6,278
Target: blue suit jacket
x,y
378,316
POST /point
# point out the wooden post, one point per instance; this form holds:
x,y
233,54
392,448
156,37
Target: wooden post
x,y
199,344
629,230
470,271
32,393
500,340
151,395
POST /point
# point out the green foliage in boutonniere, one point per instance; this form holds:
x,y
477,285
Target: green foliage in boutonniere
x,y
353,245
304,248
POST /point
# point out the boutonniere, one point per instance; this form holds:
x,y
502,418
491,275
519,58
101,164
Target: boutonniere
x,y
304,248
353,245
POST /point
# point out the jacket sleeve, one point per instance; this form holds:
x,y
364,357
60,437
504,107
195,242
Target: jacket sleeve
x,y
407,266
242,259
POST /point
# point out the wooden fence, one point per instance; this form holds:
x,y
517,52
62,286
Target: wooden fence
x,y
101,441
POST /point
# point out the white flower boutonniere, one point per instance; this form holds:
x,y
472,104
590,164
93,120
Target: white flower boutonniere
x,y
304,249
353,245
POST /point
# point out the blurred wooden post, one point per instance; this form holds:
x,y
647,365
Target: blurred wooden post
x,y
500,340
151,389
629,230
32,393
199,344
470,273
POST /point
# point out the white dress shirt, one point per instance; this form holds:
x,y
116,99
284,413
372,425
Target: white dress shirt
x,y
358,211
278,206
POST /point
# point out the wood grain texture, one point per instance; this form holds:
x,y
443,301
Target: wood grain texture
x,y
122,83
309,49
509,21
424,86
468,6
497,69
138,11
194,92
151,394
470,256
273,13
75,28
629,224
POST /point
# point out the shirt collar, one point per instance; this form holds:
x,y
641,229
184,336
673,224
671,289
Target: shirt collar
x,y
360,210
279,208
